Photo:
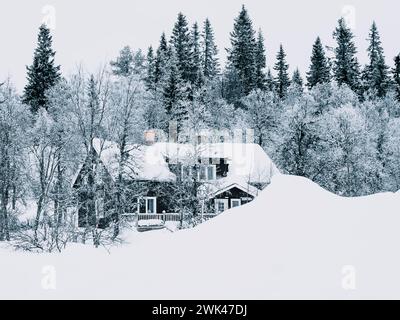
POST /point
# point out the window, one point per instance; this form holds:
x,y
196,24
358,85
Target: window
x,y
147,205
221,205
211,172
236,203
151,205
203,173
207,173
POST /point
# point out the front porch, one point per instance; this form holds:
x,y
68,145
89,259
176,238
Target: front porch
x,y
166,217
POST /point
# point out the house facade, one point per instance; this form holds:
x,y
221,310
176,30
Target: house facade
x,y
163,178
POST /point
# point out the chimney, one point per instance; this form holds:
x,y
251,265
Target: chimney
x,y
149,137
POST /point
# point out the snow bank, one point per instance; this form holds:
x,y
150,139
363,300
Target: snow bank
x,y
295,240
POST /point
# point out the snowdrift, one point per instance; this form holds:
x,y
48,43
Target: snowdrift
x,y
295,240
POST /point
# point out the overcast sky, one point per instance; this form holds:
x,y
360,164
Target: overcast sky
x,y
93,31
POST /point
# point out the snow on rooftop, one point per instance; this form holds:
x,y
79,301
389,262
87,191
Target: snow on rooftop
x,y
144,163
247,162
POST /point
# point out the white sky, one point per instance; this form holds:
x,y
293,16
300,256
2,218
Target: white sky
x,y
93,31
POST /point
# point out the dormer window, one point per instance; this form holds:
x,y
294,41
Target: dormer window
x,y
208,172
205,172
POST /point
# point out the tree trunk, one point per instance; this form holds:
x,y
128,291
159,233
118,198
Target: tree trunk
x,y
118,214
37,219
58,205
2,221
6,224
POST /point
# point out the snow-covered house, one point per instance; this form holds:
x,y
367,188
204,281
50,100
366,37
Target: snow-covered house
x,y
227,175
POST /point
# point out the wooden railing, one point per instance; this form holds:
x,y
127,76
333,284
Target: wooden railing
x,y
162,216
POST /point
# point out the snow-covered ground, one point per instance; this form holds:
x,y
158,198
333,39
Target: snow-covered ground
x,y
295,240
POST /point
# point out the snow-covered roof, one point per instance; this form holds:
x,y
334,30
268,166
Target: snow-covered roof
x,y
247,162
143,163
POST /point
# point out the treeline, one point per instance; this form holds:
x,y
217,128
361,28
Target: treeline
x,y
339,125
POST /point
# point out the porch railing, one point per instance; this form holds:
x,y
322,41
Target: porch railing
x,y
176,217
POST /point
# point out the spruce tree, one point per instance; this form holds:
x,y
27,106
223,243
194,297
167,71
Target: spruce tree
x,y
346,68
180,41
123,65
196,68
232,86
161,60
396,75
297,80
319,69
210,52
260,62
43,74
241,55
163,43
269,81
173,87
139,63
150,77
282,81
375,75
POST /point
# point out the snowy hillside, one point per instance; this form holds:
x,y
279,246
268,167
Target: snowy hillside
x,y
294,241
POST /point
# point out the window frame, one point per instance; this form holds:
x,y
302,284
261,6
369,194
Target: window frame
x,y
206,167
236,199
147,205
217,202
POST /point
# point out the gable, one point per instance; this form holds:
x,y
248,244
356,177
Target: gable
x,y
82,172
235,190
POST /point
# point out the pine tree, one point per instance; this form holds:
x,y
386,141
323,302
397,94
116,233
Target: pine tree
x,y
346,68
270,81
161,60
282,81
163,47
375,75
123,66
396,75
260,62
319,69
139,63
180,41
210,52
196,68
242,53
232,86
43,74
173,87
150,77
297,79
